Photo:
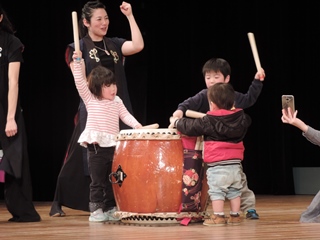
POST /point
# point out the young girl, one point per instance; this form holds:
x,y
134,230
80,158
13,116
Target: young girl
x,y
104,109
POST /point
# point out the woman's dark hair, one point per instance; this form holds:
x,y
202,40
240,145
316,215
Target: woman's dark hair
x,y
86,13
5,24
222,94
100,76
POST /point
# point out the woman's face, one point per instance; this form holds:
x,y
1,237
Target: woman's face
x,y
99,24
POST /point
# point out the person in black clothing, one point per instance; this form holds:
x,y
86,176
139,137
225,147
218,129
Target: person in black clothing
x,y
218,70
13,141
72,189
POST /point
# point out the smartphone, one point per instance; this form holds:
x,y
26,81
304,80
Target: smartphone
x,y
288,101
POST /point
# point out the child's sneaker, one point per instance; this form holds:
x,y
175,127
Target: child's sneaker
x,y
252,214
98,216
234,219
215,220
110,214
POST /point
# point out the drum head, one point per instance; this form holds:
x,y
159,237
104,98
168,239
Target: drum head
x,y
150,134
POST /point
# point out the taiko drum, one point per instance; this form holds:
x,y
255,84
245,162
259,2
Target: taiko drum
x,y
147,170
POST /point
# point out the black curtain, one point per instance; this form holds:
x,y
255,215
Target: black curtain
x,y
180,36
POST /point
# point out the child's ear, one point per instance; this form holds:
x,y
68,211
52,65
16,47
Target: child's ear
x,y
213,106
227,79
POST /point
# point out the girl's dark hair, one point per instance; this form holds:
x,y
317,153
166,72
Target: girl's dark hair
x,y
217,65
86,13
100,76
222,94
5,24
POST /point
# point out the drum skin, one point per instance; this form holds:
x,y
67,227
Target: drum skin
x,y
153,168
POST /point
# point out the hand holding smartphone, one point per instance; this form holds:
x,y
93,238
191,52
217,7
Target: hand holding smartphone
x,y
288,101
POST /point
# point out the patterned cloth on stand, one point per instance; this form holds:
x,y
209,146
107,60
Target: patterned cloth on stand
x,y
2,173
193,173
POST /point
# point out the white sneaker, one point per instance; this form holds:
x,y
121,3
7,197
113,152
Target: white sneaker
x,y
98,216
111,214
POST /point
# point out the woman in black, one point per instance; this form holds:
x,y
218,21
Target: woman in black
x,y
72,189
13,141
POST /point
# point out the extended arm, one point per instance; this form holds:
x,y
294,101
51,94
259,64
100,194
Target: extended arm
x,y
136,44
78,69
308,132
245,100
198,103
288,117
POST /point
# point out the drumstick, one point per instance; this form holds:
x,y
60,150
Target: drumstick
x,y
151,126
194,114
75,31
254,50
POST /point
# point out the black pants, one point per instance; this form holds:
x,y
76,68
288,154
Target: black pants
x,y
18,204
18,191
100,166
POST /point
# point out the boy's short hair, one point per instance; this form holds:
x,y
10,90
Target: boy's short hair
x,y
100,76
217,65
222,94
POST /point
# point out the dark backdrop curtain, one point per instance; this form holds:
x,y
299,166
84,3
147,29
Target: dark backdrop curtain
x,y
180,36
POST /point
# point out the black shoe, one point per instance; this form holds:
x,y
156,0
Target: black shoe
x,y
56,210
252,214
25,219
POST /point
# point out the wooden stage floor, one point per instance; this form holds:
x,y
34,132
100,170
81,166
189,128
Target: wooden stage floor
x,y
279,219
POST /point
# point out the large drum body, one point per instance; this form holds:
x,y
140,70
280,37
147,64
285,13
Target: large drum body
x,y
147,176
152,165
